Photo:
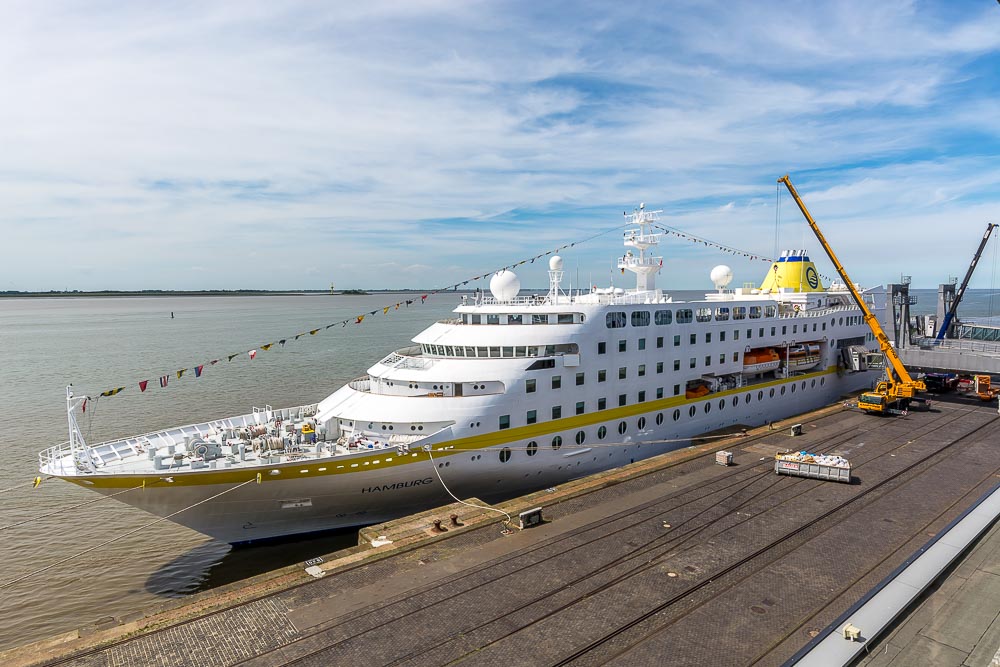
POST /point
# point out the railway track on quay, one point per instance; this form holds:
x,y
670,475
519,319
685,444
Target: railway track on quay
x,y
607,589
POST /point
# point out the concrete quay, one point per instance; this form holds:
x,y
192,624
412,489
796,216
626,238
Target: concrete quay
x,y
674,560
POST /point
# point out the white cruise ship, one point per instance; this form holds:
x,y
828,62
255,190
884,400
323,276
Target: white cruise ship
x,y
515,393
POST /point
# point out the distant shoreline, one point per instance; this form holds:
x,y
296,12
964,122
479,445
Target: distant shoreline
x,y
166,293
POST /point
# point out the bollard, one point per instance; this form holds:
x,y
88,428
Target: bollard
x,y
454,520
437,527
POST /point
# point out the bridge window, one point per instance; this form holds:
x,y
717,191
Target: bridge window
x,y
703,315
684,316
640,318
754,312
663,317
739,312
615,320
721,314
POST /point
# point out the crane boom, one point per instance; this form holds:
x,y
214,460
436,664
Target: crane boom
x,y
904,385
943,330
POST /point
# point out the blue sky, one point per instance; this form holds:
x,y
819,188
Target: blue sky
x,y
417,144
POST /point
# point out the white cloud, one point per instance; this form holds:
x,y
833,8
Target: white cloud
x,y
413,136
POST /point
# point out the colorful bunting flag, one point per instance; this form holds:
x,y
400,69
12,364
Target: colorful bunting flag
x,y
142,385
112,392
252,353
360,319
266,347
313,332
84,405
233,356
281,342
164,379
386,310
214,361
197,370
181,373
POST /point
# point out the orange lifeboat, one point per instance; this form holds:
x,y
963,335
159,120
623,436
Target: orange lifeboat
x,y
761,360
697,391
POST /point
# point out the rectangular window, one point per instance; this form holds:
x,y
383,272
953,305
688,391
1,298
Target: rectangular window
x,y
722,358
642,343
602,375
513,319
602,404
622,345
564,318
642,397
492,319
640,318
529,386
749,334
579,379
508,351
772,331
579,408
722,336
659,341
504,421
557,412
784,330
556,381
677,390
477,319
642,370
622,399
694,362
615,320
532,417
621,373
539,319
602,347
736,357
761,332
684,316
795,328
677,341
663,317
708,360
677,364
694,339
659,392
659,366
708,337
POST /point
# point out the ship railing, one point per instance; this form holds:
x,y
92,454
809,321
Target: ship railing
x,y
397,360
530,300
965,344
363,384
63,458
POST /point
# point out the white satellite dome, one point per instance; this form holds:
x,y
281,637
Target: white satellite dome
x,y
505,285
721,276
555,263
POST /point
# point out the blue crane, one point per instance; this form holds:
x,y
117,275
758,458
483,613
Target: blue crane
x,y
943,330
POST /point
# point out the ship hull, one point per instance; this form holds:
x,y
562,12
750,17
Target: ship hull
x,y
300,497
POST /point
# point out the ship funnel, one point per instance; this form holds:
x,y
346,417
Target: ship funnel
x,y
793,271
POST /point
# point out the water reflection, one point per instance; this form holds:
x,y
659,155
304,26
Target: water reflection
x,y
213,564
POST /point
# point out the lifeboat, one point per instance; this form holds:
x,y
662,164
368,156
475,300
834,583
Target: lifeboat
x,y
803,357
696,391
761,360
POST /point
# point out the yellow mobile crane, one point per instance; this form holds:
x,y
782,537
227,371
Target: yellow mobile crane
x,y
896,392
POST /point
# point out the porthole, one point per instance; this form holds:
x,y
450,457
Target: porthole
x,y
793,388
383,427
505,455
420,428
659,418
691,411
804,383
722,404
708,408
390,427
782,390
622,427
822,381
580,437
677,415
642,423
771,393
413,428
736,400
812,384
601,432
760,395
557,442
532,448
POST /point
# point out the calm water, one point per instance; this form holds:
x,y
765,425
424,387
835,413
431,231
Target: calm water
x,y
103,343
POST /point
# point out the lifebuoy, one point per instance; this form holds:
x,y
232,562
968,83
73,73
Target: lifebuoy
x,y
796,308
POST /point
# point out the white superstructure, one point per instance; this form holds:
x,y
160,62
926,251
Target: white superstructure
x,y
517,392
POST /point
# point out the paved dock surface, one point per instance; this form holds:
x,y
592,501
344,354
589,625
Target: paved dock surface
x,y
688,564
